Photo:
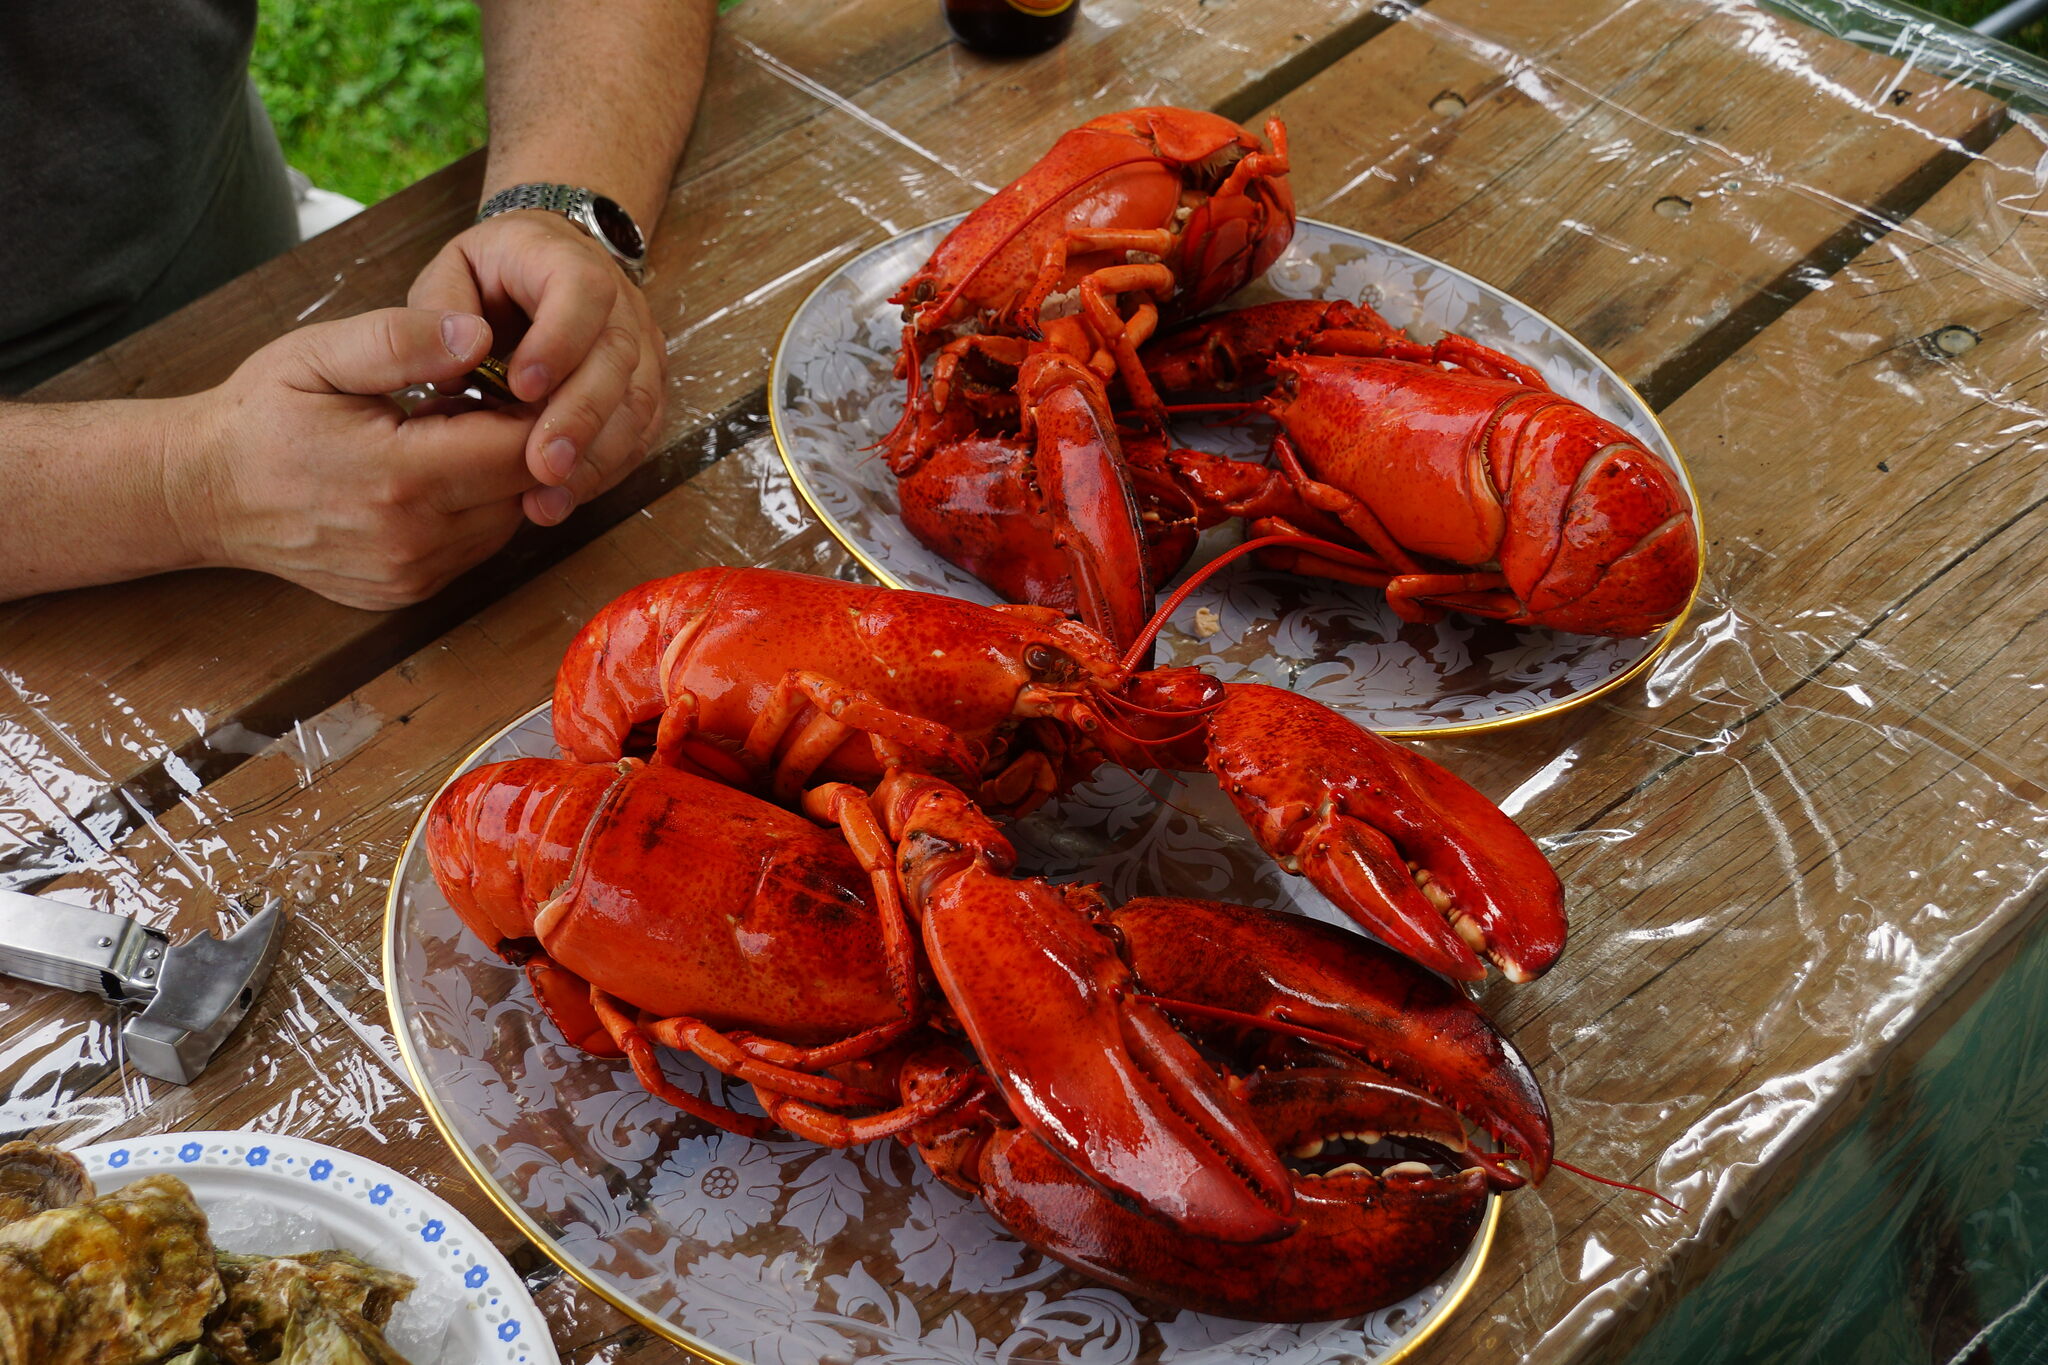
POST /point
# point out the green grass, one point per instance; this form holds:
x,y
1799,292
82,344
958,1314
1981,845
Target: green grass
x,y
2028,38
370,95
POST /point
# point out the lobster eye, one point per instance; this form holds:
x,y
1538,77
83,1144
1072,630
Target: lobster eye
x,y
1044,659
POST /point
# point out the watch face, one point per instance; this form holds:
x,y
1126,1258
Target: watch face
x,y
617,226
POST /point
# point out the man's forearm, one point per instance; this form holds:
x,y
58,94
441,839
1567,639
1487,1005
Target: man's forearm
x,y
596,93
85,496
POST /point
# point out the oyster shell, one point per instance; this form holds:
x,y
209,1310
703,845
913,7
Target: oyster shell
x,y
121,1280
267,1296
34,1177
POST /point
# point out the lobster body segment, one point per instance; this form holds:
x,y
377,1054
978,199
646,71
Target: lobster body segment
x,y
1178,177
780,678
605,869
1589,531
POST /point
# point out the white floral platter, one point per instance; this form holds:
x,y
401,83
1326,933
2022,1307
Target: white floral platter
x,y
785,1253
284,1195
832,394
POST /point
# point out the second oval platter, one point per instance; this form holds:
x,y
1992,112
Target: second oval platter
x,y
773,1251
832,395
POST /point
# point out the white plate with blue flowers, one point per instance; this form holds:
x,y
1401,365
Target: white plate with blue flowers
x,y
285,1195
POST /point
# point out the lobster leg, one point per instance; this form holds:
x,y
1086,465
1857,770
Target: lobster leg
x,y
626,1032
1098,300
1101,1078
725,1053
1355,515
1301,560
840,1130
835,712
676,746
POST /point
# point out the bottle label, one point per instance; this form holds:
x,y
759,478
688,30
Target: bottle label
x,y
1042,9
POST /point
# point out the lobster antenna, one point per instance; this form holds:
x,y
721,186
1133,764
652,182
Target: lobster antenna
x,y
1330,549
916,387
1617,1184
952,294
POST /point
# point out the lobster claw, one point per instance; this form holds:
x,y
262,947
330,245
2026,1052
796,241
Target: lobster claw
x,y
1366,1239
1409,850
1089,498
1101,1078
1234,966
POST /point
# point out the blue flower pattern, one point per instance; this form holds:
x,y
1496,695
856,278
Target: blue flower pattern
x,y
434,1230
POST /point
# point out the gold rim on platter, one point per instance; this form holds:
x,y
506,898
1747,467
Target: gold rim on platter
x,y
1425,1328
1666,638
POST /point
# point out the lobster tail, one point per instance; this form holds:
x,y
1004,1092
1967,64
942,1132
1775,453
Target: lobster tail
x,y
501,837
613,679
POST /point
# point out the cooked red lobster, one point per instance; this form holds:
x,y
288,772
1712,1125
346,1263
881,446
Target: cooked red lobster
x,y
1454,476
775,681
654,907
1447,474
1008,463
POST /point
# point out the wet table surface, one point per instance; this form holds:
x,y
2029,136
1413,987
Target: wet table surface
x,y
1827,797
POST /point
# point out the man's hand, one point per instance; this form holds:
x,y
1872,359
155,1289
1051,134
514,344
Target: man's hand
x,y
301,466
591,356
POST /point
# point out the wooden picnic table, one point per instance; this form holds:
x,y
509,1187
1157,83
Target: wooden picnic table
x,y
1831,787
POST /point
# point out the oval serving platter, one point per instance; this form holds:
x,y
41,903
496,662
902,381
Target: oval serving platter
x,y
831,395
785,1253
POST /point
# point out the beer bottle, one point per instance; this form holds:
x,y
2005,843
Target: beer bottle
x,y
1011,28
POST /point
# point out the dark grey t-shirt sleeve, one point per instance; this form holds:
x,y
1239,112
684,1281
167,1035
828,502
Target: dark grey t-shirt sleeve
x,y
140,170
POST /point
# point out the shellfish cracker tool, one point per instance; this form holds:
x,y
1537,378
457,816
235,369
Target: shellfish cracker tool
x,y
192,994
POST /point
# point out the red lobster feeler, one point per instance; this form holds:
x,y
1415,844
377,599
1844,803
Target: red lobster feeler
x,y
1473,485
654,907
1008,462
754,676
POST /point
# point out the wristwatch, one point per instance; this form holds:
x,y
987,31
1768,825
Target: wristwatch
x,y
602,218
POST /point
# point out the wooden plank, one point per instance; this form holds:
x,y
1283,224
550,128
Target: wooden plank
x,y
1847,817
1807,807
1668,1004
130,692
1640,175
1525,133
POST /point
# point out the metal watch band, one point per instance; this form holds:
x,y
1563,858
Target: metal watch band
x,y
574,203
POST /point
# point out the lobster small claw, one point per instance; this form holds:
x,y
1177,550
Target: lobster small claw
x,y
1098,1076
1090,502
1403,846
